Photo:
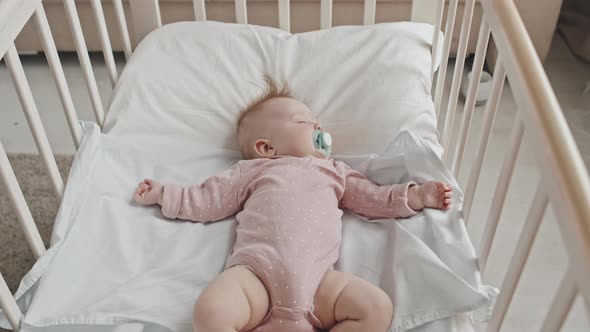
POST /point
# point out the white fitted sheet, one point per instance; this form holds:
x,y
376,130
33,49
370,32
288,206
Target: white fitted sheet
x,y
117,266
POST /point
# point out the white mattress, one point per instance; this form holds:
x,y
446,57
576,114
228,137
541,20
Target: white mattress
x,y
116,266
113,263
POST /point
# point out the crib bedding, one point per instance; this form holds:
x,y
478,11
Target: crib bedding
x,y
117,266
366,84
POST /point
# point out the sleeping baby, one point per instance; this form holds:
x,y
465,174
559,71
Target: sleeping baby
x,y
288,196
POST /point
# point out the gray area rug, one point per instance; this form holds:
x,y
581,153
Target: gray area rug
x,y
15,256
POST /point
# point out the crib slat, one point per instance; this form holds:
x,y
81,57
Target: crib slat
x,y
58,74
84,59
26,98
20,205
105,41
447,121
519,258
560,161
9,306
123,30
284,16
476,70
561,304
369,12
326,19
200,13
442,72
14,15
241,12
435,35
500,192
486,131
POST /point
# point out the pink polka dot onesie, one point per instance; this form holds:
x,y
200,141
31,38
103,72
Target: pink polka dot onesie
x,y
289,213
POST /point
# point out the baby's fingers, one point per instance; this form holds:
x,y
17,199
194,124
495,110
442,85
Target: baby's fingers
x,y
142,188
448,196
447,205
137,197
142,198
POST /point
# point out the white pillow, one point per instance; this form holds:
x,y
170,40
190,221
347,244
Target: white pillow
x,y
366,84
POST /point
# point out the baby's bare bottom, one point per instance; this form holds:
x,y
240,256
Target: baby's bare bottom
x,y
238,301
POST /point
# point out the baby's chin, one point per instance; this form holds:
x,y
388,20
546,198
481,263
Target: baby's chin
x,y
314,154
318,154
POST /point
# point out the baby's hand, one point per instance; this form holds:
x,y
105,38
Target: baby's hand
x,y
148,192
436,194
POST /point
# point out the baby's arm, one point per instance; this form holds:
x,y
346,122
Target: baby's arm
x,y
364,197
215,199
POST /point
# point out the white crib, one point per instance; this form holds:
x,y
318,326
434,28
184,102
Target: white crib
x,y
564,184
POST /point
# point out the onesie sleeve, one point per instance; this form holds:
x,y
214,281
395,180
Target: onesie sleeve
x,y
366,198
216,198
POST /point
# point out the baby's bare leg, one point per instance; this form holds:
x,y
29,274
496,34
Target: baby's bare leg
x,y
344,302
235,301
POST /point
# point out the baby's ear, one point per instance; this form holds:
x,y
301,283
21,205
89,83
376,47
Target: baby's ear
x,y
264,148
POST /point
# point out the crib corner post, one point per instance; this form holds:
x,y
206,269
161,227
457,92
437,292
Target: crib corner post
x,y
9,306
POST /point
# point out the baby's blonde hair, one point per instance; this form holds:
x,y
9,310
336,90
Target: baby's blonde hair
x,y
272,90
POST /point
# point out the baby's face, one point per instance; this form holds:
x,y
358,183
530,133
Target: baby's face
x,y
281,126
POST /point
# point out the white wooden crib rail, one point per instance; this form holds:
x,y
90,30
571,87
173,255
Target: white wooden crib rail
x,y
564,183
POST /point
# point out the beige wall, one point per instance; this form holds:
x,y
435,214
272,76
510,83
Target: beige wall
x,y
540,17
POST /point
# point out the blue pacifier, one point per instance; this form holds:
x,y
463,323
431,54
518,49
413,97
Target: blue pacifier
x,y
322,141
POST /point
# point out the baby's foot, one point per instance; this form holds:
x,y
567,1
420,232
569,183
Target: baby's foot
x,y
436,194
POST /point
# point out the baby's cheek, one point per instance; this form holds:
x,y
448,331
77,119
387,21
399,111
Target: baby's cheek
x,y
307,146
296,145
306,142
